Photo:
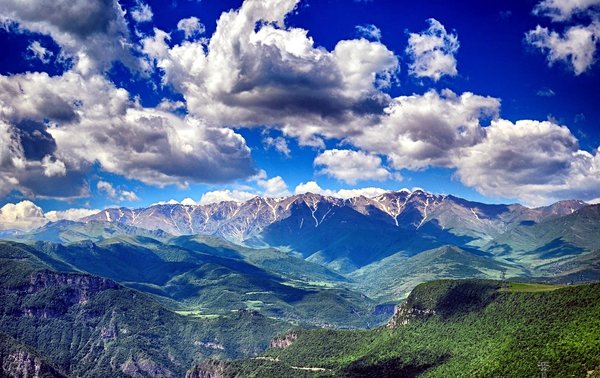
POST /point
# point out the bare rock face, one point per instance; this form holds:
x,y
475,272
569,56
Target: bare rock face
x,y
21,363
18,361
405,314
285,341
84,285
209,369
70,289
144,367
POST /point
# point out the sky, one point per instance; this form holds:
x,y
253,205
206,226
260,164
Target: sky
x,y
129,103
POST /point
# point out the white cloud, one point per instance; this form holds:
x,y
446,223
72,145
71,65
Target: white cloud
x,y
191,27
142,12
107,188
432,52
26,215
427,130
368,31
217,196
188,202
36,50
64,118
536,162
169,202
70,214
53,167
313,187
256,71
368,192
563,10
274,187
351,166
279,144
577,44
120,195
128,196
576,47
93,32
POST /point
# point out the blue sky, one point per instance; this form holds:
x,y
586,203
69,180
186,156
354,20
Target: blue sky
x,y
106,103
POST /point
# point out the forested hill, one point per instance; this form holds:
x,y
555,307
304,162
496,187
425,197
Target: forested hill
x,y
466,328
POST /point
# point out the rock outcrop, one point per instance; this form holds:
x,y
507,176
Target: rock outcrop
x,y
209,369
17,360
405,314
284,341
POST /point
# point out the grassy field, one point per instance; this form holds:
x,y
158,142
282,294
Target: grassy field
x,y
521,287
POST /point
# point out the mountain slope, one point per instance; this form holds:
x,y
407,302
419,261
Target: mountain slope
x,y
211,277
18,360
551,239
394,277
344,234
449,329
90,326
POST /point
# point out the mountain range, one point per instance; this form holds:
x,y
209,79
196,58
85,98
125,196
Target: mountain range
x,y
359,235
221,280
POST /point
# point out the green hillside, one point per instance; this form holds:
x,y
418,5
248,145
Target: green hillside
x,y
552,239
208,276
394,277
468,328
90,326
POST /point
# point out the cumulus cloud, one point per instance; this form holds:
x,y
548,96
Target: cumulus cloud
x,y
69,214
188,202
351,166
191,27
432,52
26,215
563,10
274,187
255,70
266,187
129,196
217,196
537,162
313,187
576,47
94,32
427,130
577,44
368,31
28,160
58,127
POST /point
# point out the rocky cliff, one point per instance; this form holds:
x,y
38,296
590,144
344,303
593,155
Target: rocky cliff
x,y
284,341
17,360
